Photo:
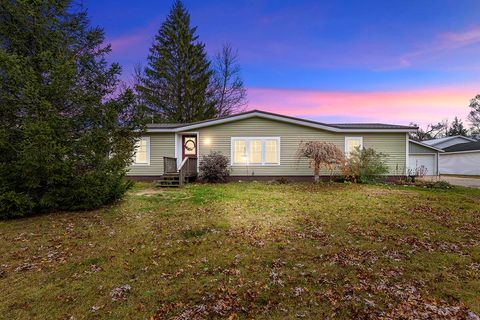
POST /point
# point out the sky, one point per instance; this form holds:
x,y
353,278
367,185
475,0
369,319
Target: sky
x,y
331,61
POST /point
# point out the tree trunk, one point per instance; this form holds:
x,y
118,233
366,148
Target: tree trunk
x,y
317,173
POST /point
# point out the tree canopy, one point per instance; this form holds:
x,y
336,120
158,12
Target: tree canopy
x,y
175,85
66,135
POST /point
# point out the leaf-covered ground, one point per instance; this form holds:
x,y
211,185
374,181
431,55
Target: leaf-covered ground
x,y
250,250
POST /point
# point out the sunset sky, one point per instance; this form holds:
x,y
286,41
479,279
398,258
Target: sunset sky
x,y
332,61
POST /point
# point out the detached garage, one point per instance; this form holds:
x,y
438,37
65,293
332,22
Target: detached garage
x,y
422,155
462,159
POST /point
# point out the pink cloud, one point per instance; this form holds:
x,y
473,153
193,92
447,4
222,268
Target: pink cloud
x,y
402,107
442,44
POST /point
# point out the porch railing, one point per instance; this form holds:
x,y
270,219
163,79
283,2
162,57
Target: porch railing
x,y
188,168
169,165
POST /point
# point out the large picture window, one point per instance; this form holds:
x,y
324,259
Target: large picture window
x,y
141,155
255,151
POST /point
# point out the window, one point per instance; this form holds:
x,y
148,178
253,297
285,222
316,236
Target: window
x,y
255,151
141,153
351,143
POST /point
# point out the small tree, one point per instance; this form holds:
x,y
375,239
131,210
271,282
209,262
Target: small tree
x,y
320,154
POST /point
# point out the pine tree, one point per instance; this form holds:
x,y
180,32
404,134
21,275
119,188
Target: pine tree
x,y
64,141
457,128
175,86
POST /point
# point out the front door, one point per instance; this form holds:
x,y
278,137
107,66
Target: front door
x,y
189,149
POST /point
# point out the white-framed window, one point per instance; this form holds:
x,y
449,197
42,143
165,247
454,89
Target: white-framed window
x,y
351,143
255,151
141,152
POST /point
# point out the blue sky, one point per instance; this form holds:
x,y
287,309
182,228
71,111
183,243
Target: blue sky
x,y
390,61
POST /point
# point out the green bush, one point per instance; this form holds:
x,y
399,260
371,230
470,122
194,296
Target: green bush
x,y
365,166
14,205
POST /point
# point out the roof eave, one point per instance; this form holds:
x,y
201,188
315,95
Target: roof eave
x,y
278,118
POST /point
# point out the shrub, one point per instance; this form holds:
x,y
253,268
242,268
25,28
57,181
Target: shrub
x,y
214,167
13,204
365,166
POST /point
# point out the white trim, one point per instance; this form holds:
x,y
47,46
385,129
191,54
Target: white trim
x,y
444,139
407,153
147,139
464,151
347,138
422,153
425,145
273,117
248,139
178,149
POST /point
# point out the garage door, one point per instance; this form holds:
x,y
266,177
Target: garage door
x,y
425,160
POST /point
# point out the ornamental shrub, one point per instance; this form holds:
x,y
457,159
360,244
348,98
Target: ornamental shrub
x,y
214,167
365,166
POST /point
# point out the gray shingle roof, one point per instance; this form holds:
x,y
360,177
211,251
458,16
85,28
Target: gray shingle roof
x,y
469,146
336,125
370,126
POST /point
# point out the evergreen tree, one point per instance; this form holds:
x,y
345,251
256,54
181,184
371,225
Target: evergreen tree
x,y
175,84
457,129
64,140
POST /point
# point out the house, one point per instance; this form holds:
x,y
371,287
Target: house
x,y
423,158
260,145
442,143
461,159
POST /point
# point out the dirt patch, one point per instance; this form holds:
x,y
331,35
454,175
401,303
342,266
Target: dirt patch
x,y
148,192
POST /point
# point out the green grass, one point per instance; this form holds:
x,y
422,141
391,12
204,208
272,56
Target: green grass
x,y
248,250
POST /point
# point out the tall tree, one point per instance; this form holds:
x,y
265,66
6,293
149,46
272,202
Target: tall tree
x,y
230,94
432,131
176,83
64,140
474,115
457,128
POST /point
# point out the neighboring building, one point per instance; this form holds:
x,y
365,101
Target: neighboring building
x,y
442,143
423,155
461,159
261,145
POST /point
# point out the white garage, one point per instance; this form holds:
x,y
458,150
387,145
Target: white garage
x,y
428,161
422,155
463,159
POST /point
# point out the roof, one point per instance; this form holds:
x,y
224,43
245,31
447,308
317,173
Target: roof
x,y
469,146
433,142
370,126
425,145
344,127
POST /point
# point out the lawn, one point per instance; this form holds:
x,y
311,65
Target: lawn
x,y
249,250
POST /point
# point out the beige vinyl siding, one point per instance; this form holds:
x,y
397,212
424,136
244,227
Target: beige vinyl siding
x,y
161,145
219,136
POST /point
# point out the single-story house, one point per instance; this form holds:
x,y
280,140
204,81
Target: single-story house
x,y
424,156
260,145
445,142
462,159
